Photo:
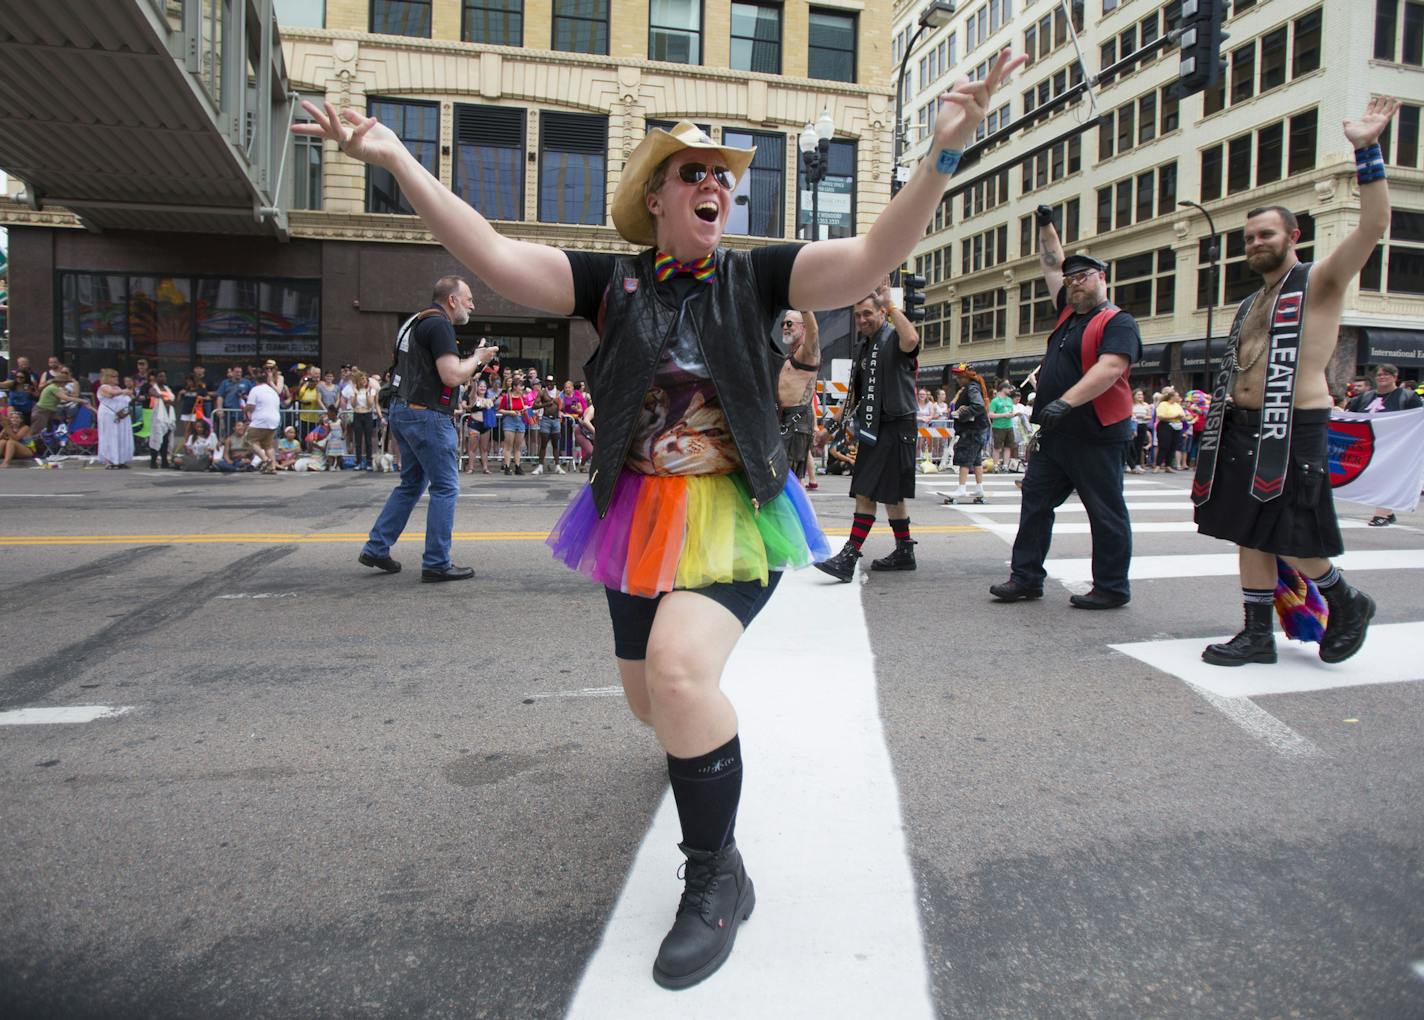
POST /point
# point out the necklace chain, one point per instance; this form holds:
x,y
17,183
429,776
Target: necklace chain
x,y
1266,343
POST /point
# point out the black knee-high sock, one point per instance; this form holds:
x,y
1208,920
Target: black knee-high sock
x,y
707,790
901,527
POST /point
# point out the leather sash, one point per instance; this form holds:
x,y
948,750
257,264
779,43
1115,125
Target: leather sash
x,y
1272,458
871,384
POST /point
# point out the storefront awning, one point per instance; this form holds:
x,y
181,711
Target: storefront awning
x,y
1194,354
1156,360
1396,346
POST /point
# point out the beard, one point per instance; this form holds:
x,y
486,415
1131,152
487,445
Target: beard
x,y
1266,261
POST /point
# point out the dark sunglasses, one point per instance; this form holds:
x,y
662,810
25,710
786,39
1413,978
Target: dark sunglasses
x,y
696,173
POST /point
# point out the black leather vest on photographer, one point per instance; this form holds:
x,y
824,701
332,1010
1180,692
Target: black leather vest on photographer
x,y
733,332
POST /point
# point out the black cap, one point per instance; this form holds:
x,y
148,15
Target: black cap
x,y
1077,263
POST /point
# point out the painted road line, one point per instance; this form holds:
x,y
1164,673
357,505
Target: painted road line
x,y
1389,656
66,714
1069,507
615,691
1138,527
803,953
322,538
1146,568
1259,723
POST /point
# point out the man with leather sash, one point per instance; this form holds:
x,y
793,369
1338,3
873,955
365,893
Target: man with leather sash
x,y
881,401
796,387
1263,480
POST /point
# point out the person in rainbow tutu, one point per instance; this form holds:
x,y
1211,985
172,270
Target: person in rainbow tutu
x,y
690,513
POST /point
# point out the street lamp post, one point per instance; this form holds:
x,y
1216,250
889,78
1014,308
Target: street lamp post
x,y
935,14
1211,253
815,145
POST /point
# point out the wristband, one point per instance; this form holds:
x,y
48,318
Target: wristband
x,y
948,161
1369,164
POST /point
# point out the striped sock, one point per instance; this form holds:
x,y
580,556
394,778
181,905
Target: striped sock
x,y
901,528
1258,596
1328,580
859,528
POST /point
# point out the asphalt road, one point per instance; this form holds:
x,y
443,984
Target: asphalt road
x,y
339,793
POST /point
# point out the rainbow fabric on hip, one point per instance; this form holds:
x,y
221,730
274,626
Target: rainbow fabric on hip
x,y
665,267
664,532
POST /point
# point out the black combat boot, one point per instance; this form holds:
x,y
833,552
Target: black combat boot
x,y
1350,613
717,897
1257,643
903,558
841,566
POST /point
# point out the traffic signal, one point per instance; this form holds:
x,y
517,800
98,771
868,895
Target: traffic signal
x,y
913,296
1199,46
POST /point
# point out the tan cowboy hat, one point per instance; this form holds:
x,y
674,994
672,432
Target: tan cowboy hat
x,y
630,208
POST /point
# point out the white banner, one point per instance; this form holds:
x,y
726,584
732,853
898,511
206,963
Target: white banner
x,y
1378,459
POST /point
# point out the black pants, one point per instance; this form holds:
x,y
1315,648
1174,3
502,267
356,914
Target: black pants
x,y
1167,439
365,429
153,454
1059,467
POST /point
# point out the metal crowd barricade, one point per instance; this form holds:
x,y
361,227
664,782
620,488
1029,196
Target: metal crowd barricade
x,y
567,452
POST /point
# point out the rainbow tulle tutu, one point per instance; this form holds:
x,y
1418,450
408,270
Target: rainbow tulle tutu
x,y
686,531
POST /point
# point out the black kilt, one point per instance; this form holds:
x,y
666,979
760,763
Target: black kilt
x,y
798,447
885,472
969,448
1299,522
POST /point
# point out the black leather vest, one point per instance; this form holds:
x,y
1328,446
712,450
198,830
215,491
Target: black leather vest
x,y
898,399
416,379
734,335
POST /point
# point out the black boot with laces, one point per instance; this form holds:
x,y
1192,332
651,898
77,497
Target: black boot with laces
x,y
903,558
1256,643
1350,613
717,897
841,566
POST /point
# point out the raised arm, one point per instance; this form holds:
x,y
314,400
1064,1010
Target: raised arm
x,y
1050,251
533,275
826,271
905,332
1336,270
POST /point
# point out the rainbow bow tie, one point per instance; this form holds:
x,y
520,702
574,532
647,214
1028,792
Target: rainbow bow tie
x,y
702,270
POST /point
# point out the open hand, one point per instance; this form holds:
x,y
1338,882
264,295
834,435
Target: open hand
x,y
964,107
1366,130
363,138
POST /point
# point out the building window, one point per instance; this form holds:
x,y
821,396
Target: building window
x,y
1146,195
1236,278
489,160
401,17
301,13
1388,44
493,22
675,31
1211,173
1156,195
1402,252
573,153
1302,142
983,316
835,206
1052,164
581,26
1036,313
172,321
1273,59
830,53
1270,152
756,38
1307,43
306,166
1167,189
1238,164
759,201
418,127
1143,285
1147,118
1169,107
1243,72
1404,150
987,194
985,250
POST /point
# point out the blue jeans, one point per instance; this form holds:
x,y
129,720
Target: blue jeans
x,y
429,453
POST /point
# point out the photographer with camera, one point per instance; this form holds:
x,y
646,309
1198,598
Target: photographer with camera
x,y
426,383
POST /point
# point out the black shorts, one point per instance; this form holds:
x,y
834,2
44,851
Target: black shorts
x,y
885,472
798,447
1299,522
632,615
969,448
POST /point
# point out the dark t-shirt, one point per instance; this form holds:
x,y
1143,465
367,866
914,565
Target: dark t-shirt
x,y
1399,399
1063,367
430,338
593,272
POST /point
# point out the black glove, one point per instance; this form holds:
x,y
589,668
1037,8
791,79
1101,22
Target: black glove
x,y
1052,415
1044,215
